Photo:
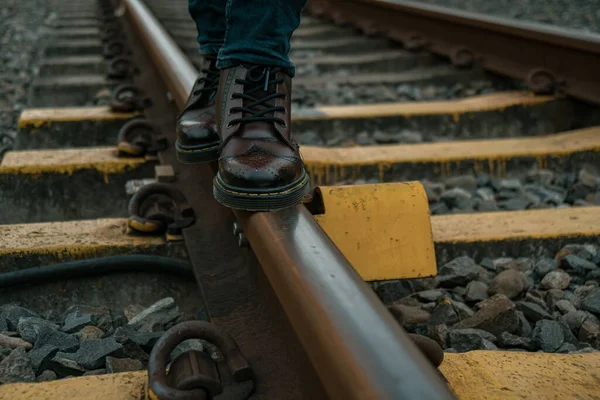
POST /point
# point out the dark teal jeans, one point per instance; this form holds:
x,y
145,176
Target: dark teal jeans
x,y
247,31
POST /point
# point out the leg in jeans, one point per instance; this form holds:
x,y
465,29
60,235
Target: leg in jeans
x,y
260,168
259,32
209,16
197,138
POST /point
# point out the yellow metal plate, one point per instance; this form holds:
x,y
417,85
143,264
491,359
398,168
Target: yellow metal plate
x,y
384,230
506,375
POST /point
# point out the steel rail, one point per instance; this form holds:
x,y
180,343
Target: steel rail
x,y
354,344
548,58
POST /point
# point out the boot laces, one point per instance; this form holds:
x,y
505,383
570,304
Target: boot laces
x,y
210,78
257,96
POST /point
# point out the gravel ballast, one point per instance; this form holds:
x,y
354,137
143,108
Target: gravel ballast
x,y
505,303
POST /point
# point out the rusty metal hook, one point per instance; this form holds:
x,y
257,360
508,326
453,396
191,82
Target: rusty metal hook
x,y
159,357
119,68
138,137
128,98
156,220
115,48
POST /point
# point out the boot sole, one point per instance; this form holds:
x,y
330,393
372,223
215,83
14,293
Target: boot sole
x,y
261,200
199,154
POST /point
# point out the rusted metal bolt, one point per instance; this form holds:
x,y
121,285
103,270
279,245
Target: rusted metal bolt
x,y
237,228
242,240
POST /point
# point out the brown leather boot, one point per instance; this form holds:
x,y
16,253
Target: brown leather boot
x,y
260,168
197,138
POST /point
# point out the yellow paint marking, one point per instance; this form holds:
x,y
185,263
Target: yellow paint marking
x,y
476,375
74,239
494,101
38,117
492,153
383,230
67,161
123,386
516,225
504,375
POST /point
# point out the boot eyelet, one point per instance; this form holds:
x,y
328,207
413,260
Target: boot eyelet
x,y
284,124
228,126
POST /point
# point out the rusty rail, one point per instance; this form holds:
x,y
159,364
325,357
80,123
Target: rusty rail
x,y
357,348
548,58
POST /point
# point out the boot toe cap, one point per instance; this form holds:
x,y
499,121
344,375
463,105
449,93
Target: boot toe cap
x,y
196,133
255,173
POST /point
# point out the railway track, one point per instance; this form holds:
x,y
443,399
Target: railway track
x,y
433,157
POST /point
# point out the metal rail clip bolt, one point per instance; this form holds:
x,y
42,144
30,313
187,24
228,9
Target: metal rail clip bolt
x,y
139,137
128,98
148,214
193,375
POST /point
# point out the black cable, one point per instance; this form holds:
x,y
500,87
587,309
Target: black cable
x,y
96,266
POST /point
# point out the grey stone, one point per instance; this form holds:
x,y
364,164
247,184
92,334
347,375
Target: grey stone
x,y
95,372
462,310
487,206
467,182
41,357
132,310
46,376
12,314
409,137
64,366
584,291
507,184
476,291
557,279
429,295
186,345
92,354
566,348
444,313
503,263
533,312
516,204
552,297
579,265
469,339
591,302
114,365
29,327
510,283
565,306
497,315
458,272
142,339
588,176
513,341
3,324
438,208
64,341
524,328
567,334
4,352
548,335
487,345
544,265
586,251
456,198
407,316
485,194
543,177
532,298
433,190
89,333
574,319
590,332
79,316
16,367
391,291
